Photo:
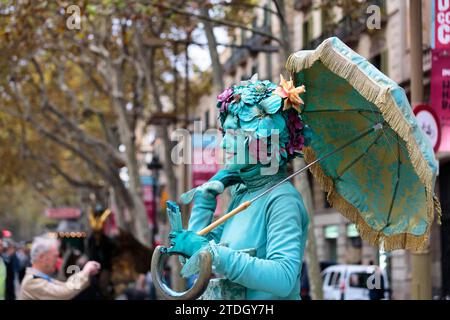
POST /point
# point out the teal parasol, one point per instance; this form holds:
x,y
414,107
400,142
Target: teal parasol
x,y
383,180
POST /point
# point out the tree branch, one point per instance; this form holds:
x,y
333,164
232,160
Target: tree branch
x,y
68,124
71,180
217,21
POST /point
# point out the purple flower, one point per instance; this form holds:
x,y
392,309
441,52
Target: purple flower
x,y
296,139
294,122
225,98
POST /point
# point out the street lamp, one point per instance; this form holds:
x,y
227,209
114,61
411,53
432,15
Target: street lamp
x,y
155,166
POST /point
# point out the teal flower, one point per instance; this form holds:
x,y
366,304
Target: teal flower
x,y
263,124
250,94
259,91
238,103
268,106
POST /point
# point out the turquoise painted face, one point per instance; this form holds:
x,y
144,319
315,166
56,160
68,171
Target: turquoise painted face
x,y
235,146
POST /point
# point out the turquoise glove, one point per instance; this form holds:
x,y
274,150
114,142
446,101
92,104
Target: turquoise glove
x,y
186,243
209,190
227,177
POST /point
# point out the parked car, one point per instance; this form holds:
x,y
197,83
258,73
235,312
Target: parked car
x,y
355,282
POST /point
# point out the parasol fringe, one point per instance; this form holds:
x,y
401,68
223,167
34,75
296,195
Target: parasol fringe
x,y
438,208
380,96
373,237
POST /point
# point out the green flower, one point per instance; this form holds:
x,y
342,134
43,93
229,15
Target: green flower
x,y
249,95
240,98
267,106
263,124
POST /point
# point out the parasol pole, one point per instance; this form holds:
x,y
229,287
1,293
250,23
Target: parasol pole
x,y
246,204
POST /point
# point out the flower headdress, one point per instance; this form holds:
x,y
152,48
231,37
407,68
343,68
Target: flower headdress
x,y
262,106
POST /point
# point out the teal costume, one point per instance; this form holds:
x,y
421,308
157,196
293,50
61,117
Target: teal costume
x,y
275,225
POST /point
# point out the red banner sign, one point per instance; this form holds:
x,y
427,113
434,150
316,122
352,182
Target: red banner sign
x,y
149,203
205,156
440,93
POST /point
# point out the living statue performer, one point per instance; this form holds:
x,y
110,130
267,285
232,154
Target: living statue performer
x,y
382,181
262,132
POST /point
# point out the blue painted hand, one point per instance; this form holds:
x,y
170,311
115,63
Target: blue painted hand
x,y
208,191
186,243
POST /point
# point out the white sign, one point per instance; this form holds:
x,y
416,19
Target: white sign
x,y
428,122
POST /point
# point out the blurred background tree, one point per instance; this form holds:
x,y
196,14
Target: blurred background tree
x,y
75,101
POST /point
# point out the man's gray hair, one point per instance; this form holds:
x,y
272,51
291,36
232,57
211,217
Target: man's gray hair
x,y
41,245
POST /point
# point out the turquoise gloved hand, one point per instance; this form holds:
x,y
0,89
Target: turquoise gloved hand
x,y
227,177
209,190
186,243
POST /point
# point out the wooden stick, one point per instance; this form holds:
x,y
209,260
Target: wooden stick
x,y
241,207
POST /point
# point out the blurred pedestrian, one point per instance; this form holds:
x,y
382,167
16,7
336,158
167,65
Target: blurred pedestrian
x,y
23,256
139,290
39,285
11,263
2,272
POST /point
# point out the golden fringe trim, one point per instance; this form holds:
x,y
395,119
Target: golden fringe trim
x,y
380,96
438,208
373,237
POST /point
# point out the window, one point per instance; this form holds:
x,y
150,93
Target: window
x,y
352,231
267,17
338,278
331,232
376,61
326,204
331,235
326,19
334,278
355,242
207,119
331,278
332,249
307,31
254,68
269,66
384,62
380,61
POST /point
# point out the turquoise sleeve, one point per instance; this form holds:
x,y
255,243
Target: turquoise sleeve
x,y
286,221
202,214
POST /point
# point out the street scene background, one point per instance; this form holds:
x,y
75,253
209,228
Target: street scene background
x,y
93,95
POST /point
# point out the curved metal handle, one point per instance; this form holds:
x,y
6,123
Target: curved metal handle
x,y
197,289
